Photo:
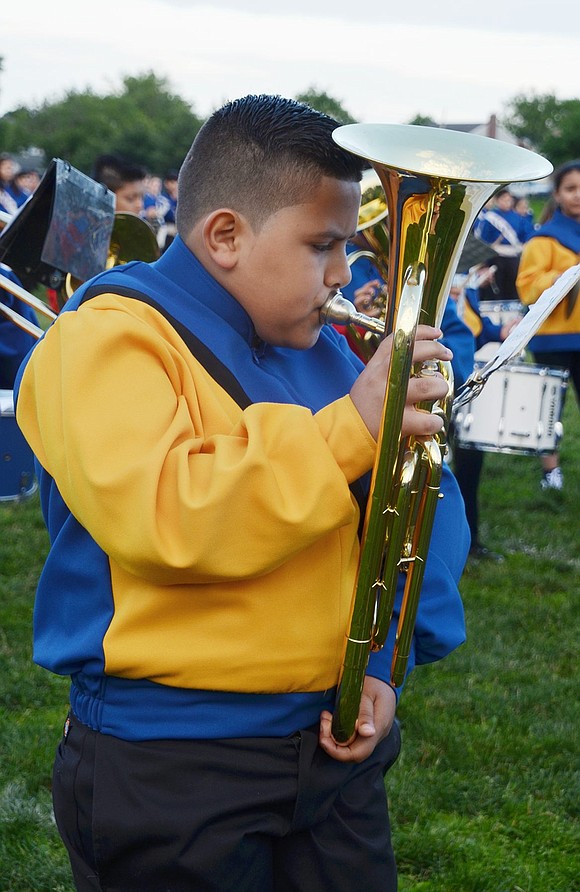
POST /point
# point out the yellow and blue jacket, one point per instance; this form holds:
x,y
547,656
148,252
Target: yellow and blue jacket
x,y
553,249
200,492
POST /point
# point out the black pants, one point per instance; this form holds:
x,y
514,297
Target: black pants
x,y
244,815
467,467
567,359
504,285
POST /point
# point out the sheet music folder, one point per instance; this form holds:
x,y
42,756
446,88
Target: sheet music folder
x,y
64,227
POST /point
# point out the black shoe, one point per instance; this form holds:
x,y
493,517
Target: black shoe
x,y
481,553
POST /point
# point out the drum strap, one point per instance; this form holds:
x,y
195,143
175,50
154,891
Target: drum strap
x,y
507,232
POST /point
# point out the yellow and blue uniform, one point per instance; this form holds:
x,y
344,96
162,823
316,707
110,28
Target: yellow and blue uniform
x,y
553,249
459,338
198,486
504,230
483,329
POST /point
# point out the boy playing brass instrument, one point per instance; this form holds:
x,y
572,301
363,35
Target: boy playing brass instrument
x,y
201,442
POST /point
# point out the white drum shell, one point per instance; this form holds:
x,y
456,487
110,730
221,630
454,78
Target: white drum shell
x,y
518,411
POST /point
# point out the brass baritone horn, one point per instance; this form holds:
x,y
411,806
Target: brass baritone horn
x,y
435,183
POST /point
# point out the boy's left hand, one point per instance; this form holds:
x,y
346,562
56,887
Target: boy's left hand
x,y
376,715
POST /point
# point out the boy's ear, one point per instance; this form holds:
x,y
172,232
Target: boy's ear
x,y
223,231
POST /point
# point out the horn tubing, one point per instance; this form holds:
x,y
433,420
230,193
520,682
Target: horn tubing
x,y
25,296
21,322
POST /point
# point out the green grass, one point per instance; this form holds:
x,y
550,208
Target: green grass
x,y
32,710
537,205
484,796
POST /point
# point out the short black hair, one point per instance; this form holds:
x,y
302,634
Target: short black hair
x,y
259,154
114,171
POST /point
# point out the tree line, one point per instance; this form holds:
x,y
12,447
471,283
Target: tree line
x,y
148,123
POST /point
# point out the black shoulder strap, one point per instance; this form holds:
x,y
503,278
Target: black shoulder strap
x,y
214,366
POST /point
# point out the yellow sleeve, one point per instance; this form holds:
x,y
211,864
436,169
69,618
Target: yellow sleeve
x,y
171,478
537,270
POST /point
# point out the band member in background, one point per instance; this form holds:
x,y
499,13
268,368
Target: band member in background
x,y
505,231
554,248
201,440
468,462
126,179
160,206
8,168
152,202
522,207
24,182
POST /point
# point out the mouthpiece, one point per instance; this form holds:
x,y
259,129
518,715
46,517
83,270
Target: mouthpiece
x,y
339,311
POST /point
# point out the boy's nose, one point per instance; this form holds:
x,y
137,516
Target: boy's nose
x,y
340,273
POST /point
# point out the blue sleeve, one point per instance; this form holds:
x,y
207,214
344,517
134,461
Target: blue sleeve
x,y
459,338
169,214
490,331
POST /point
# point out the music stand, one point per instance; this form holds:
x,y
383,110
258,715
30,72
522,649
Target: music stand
x,y
64,227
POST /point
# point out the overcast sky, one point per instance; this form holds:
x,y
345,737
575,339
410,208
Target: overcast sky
x,y
384,61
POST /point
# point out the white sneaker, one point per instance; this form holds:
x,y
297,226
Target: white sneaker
x,y
553,479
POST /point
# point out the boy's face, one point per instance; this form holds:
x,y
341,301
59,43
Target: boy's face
x,y
295,261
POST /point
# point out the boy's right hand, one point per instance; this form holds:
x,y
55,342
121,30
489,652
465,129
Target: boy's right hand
x,y
368,391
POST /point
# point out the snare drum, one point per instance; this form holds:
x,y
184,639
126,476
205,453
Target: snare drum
x,y
518,411
17,479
